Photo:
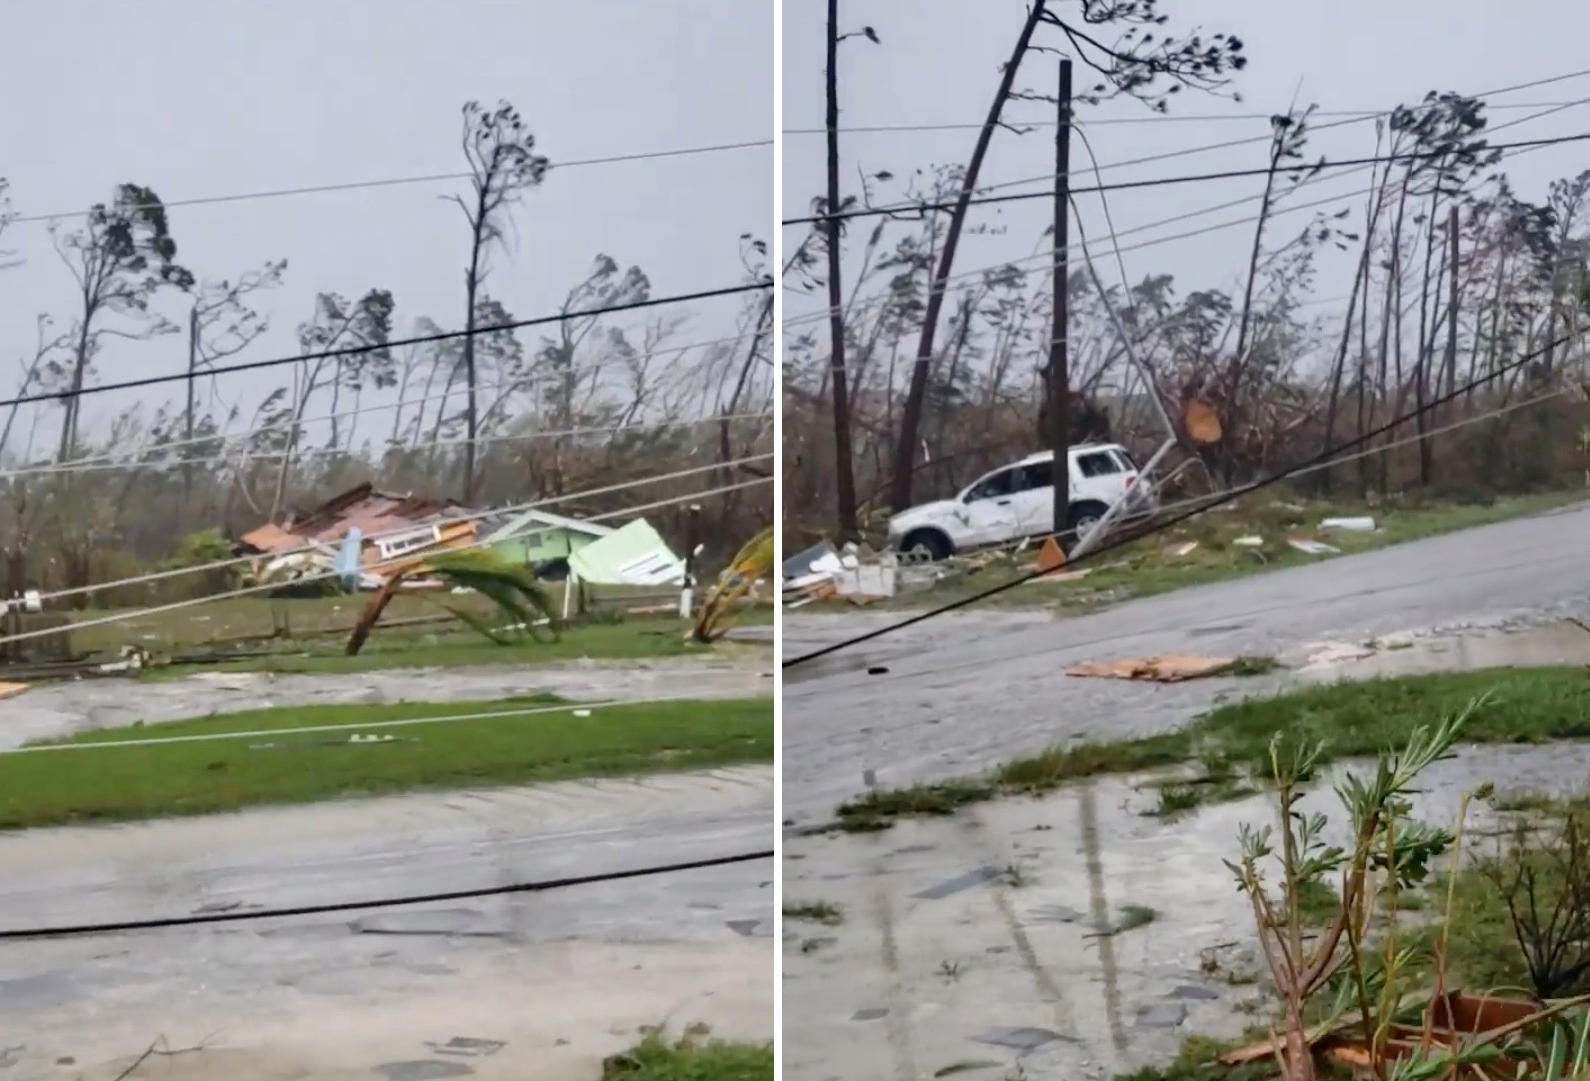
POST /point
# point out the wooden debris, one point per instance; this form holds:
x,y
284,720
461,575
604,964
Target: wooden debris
x,y
1173,668
1051,557
11,690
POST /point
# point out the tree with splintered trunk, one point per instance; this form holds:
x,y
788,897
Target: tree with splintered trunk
x,y
1446,133
119,258
220,324
606,286
1136,64
336,324
503,164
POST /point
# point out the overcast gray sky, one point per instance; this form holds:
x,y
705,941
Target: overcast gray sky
x,y
211,97
939,63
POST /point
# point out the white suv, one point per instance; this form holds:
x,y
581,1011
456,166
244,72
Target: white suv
x,y
1017,501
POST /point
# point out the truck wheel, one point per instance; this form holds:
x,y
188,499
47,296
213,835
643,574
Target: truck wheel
x,y
1083,517
928,542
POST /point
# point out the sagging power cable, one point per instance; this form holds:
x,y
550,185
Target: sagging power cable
x,y
1169,523
541,886
397,343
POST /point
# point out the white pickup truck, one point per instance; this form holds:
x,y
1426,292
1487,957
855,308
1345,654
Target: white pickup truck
x,y
1017,500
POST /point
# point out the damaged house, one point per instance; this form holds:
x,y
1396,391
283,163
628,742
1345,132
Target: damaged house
x,y
382,525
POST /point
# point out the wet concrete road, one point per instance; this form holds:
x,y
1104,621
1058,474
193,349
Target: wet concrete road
x,y
967,690
59,709
528,986
981,945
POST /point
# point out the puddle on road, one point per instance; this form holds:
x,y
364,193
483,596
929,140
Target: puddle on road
x,y
1406,655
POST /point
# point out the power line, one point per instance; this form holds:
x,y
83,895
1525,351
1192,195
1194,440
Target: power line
x,y
1355,114
817,315
1249,140
541,886
314,452
355,350
1359,114
1226,497
474,516
383,407
1161,181
431,178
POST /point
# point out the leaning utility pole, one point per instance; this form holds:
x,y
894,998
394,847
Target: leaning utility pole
x,y
844,475
1452,300
905,447
1059,372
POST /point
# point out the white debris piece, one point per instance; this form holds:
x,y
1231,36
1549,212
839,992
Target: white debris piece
x,y
1350,525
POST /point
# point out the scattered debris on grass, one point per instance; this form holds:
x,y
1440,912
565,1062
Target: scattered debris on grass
x,y
1363,524
1313,547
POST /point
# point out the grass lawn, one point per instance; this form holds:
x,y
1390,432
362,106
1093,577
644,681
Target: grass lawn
x,y
308,635
691,1059
1527,705
1143,568
631,639
108,783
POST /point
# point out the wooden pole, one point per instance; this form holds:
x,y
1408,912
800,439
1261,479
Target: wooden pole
x,y
844,475
1059,373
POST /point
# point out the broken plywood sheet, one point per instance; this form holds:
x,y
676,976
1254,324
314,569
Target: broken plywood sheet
x,y
634,555
11,690
1173,668
1051,557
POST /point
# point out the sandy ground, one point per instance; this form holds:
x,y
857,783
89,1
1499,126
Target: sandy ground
x,y
528,986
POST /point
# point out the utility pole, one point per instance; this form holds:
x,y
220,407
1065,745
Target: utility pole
x,y
1059,373
193,366
844,475
1452,299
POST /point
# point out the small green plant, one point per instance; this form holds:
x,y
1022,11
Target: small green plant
x,y
1255,665
1176,800
690,1059
1543,876
1385,844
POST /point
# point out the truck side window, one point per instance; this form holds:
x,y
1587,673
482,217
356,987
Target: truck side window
x,y
1098,464
993,486
1036,475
